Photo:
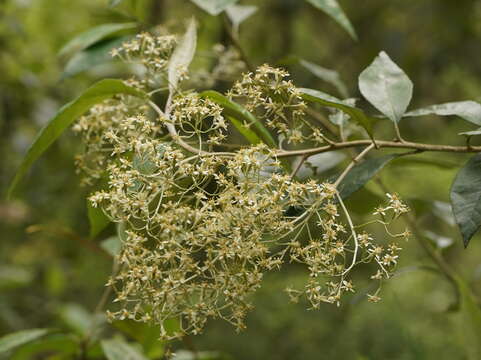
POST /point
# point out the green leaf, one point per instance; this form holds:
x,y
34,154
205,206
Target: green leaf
x,y
386,86
330,76
362,173
118,349
112,245
334,10
145,334
11,341
95,94
182,55
214,7
330,101
64,344
239,13
76,318
466,198
95,55
94,35
468,110
471,133
470,316
114,3
97,219
254,131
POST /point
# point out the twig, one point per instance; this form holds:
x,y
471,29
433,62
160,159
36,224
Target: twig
x,y
352,164
236,43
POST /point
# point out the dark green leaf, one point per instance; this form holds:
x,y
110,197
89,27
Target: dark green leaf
x,y
330,76
94,35
97,93
66,345
95,55
97,219
182,55
362,173
330,101
386,86
14,340
214,7
118,349
468,110
334,10
253,131
466,198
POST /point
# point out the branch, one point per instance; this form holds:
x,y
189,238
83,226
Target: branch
x,y
380,144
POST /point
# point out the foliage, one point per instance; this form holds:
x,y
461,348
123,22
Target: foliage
x,y
217,178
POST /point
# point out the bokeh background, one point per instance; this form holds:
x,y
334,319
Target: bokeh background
x,y
51,275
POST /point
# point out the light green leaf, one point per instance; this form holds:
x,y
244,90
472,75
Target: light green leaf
x,y
468,110
182,55
114,3
76,317
112,245
214,7
97,93
97,219
334,10
118,349
330,76
94,35
386,86
95,55
14,340
466,198
471,133
253,131
362,173
330,101
239,13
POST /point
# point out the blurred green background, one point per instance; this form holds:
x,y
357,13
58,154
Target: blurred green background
x,y
51,275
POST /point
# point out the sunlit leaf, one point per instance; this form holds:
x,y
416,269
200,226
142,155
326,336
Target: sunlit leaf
x,y
182,55
468,110
16,339
214,7
466,198
254,129
118,349
94,35
330,101
387,87
334,10
97,93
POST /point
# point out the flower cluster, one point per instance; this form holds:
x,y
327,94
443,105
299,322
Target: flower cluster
x,y
200,228
272,97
